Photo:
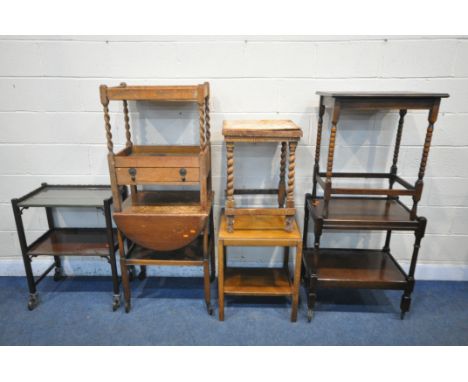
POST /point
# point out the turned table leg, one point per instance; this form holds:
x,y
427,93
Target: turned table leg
x,y
296,282
230,184
290,196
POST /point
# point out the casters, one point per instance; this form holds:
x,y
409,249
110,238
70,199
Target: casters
x,y
131,273
58,274
115,302
127,307
310,315
142,274
33,301
209,308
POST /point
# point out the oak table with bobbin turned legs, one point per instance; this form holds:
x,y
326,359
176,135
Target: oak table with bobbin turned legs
x,y
365,208
261,227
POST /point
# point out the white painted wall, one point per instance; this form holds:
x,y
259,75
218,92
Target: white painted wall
x,y
51,122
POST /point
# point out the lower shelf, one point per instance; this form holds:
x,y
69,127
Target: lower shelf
x,y
257,282
191,254
72,242
354,268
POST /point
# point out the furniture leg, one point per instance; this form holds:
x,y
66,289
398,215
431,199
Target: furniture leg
x,y
206,268
331,153
33,300
296,282
318,143
291,173
386,247
125,273
58,272
311,294
221,280
286,258
282,184
406,298
230,184
142,274
212,249
112,259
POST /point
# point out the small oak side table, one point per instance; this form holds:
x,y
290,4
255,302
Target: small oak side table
x,y
58,241
254,131
244,281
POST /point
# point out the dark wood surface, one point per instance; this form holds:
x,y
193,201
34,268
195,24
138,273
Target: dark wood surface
x,y
362,212
67,196
72,241
257,282
355,268
405,94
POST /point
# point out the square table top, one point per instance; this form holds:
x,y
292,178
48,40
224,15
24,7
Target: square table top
x,y
276,129
401,94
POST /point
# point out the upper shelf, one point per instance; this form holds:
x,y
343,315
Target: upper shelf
x,y
382,94
67,196
182,93
382,100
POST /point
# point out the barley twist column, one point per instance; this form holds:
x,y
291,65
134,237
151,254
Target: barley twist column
x,y
282,185
318,143
230,184
291,175
110,145
207,119
201,110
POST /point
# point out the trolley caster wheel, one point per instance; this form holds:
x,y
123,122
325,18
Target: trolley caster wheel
x,y
131,273
127,307
115,303
402,315
58,274
33,301
310,315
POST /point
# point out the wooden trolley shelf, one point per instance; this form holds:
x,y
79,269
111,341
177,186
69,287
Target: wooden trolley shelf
x,y
190,255
363,213
257,282
355,268
71,242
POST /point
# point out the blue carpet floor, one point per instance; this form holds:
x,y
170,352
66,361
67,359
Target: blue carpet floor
x,y
171,311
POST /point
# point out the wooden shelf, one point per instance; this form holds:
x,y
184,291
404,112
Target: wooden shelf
x,y
192,254
257,282
363,213
71,242
254,230
354,268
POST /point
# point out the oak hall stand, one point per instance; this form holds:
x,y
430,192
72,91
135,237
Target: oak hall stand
x,y
61,241
361,208
265,227
165,228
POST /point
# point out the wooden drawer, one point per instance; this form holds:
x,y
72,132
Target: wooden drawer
x,y
149,175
